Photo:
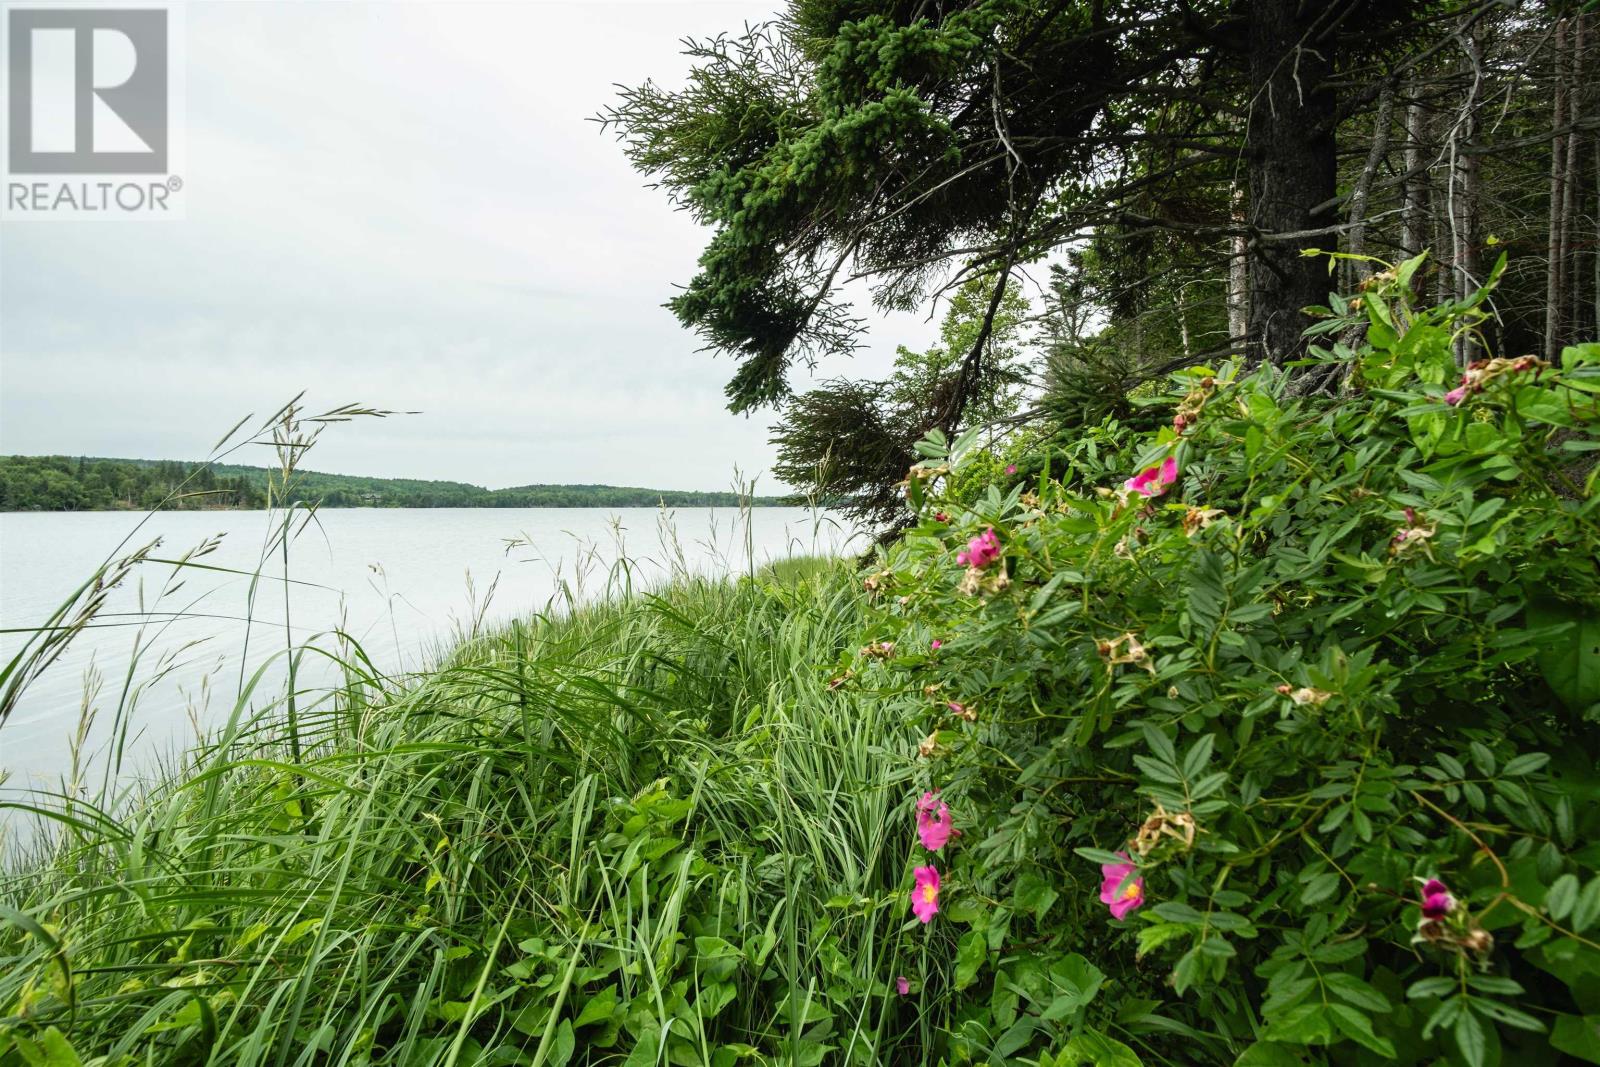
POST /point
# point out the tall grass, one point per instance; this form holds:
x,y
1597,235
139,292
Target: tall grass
x,y
637,831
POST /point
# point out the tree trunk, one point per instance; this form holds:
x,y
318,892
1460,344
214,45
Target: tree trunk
x,y
1444,248
1415,212
1239,276
1464,183
1293,168
1571,190
1363,189
1555,294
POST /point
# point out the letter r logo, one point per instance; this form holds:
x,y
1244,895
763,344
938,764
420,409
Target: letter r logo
x,y
87,91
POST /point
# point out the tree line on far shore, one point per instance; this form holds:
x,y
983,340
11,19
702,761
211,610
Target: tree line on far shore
x,y
83,483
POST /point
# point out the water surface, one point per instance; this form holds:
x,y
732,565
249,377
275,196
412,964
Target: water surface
x,y
403,582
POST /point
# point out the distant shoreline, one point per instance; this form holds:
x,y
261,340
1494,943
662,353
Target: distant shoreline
x,y
91,483
764,502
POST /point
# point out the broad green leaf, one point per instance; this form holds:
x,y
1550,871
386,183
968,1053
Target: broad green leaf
x,y
1356,1026
1471,1041
1587,908
49,1049
1349,988
714,996
1096,1049
1562,896
565,1043
1305,1024
1577,1035
598,1008
646,1052
1153,937
970,954
1269,1054
1527,763
1034,894
1569,660
1075,982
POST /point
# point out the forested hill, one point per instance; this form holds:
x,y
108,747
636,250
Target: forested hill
x,y
65,483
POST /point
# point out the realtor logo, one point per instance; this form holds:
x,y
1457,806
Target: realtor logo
x,y
93,111
88,91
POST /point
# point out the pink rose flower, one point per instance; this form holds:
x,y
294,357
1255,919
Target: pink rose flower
x,y
1153,481
1436,899
1122,898
925,894
981,550
933,822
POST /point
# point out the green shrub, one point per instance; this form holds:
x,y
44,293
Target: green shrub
x,y
1352,648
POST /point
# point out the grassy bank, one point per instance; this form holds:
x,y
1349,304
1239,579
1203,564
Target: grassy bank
x,y
647,831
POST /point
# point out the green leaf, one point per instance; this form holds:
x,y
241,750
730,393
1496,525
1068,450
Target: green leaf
x,y
646,1052
1176,911
1075,982
1587,908
1319,888
1099,855
1188,970
1577,1035
1526,763
1358,1028
1380,335
1505,1013
598,1008
1471,1041
933,446
1269,1054
1020,1033
1562,896
565,1043
970,954
1305,1024
713,997
1437,986
1570,659
1152,937
1494,984
1350,988
1034,894
1482,758
1160,744
1096,1049
1198,756
50,1049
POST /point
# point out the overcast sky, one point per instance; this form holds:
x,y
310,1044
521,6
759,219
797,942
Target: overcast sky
x,y
402,205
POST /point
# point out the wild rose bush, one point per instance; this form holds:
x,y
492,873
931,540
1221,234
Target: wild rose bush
x,y
1270,738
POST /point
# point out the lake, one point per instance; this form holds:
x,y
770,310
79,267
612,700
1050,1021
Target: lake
x,y
405,583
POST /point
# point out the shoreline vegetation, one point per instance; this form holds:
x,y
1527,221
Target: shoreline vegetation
x,y
1306,680
606,745
90,483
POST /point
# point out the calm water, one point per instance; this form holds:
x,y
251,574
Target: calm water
x,y
404,582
